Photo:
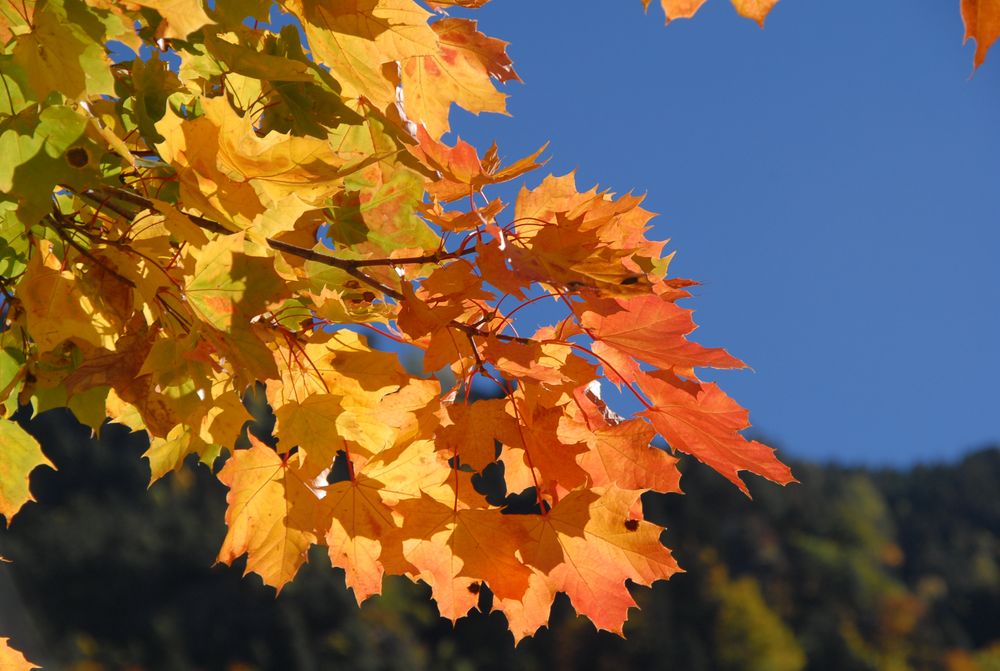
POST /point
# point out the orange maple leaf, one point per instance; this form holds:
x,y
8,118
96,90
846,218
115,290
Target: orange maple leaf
x,y
587,546
650,329
982,24
13,660
360,522
622,455
456,543
707,424
460,71
274,515
461,170
474,430
364,537
685,9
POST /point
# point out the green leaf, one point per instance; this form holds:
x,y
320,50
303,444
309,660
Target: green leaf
x,y
11,363
37,157
244,59
13,241
302,107
90,406
15,92
144,94
64,52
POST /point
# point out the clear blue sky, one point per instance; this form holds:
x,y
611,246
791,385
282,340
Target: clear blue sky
x,y
833,180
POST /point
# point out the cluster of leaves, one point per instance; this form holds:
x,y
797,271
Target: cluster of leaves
x,y
867,569
255,185
225,208
981,17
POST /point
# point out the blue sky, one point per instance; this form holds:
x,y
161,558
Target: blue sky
x,y
833,180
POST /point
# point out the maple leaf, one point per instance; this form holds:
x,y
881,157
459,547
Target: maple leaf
x,y
36,146
982,24
228,287
191,146
622,455
707,425
462,172
453,547
677,9
583,241
51,299
13,660
221,424
360,522
587,546
335,389
534,448
685,9
21,455
274,515
755,9
180,17
277,165
553,364
458,71
474,430
650,329
59,54
355,38
168,453
382,219
174,236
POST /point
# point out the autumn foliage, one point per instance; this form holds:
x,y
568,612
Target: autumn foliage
x,y
981,17
253,190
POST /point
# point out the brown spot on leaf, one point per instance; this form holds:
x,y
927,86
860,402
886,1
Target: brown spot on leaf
x,y
78,157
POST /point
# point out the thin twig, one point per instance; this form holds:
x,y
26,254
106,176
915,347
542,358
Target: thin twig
x,y
64,233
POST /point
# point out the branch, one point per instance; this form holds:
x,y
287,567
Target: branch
x,y
104,203
59,225
347,264
350,266
146,203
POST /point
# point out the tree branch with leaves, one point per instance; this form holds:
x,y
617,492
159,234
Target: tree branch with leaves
x,y
248,189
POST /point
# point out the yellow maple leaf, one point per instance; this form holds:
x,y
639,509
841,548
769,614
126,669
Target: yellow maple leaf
x,y
54,303
180,17
274,515
354,38
460,71
360,521
13,660
21,454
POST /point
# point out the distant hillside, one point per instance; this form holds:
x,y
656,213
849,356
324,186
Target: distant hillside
x,y
849,570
